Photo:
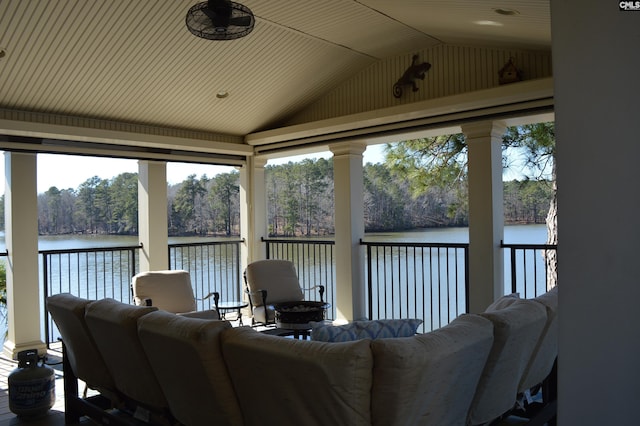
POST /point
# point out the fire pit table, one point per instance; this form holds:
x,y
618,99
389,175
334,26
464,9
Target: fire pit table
x,y
295,317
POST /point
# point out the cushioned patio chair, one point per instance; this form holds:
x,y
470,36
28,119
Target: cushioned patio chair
x,y
540,373
326,383
81,360
114,328
192,345
516,329
269,282
439,372
170,291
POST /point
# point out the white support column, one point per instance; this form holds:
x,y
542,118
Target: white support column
x,y
24,313
486,213
253,209
152,215
349,229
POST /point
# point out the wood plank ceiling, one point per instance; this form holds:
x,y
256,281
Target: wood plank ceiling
x,y
136,62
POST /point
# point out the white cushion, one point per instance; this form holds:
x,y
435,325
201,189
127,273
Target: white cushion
x,y
167,290
114,327
278,277
283,381
516,330
186,356
546,350
430,378
86,362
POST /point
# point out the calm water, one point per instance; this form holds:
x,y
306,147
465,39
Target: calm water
x,y
513,234
521,234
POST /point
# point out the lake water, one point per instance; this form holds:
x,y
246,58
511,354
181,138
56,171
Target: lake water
x,y
513,234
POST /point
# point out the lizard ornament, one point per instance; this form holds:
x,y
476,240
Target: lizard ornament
x,y
415,71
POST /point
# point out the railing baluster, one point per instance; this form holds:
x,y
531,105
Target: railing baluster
x,y
529,272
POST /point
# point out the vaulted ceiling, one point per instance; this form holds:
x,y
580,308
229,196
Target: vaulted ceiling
x,y
135,62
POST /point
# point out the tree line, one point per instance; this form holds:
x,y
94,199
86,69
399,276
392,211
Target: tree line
x,y
299,197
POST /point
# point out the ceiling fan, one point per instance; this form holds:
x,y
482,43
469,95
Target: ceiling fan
x,y
220,20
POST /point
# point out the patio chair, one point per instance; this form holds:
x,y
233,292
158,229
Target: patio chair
x,y
269,282
517,329
114,328
193,345
171,291
439,372
540,374
81,360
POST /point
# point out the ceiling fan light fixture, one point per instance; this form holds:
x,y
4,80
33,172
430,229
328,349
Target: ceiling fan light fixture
x,y
220,20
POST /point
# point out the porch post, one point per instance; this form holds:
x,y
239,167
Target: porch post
x,y
153,231
486,213
253,210
24,313
349,230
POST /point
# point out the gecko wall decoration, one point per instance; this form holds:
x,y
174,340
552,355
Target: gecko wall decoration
x,y
415,71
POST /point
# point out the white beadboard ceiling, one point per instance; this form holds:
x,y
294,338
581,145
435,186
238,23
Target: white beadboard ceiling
x,y
136,62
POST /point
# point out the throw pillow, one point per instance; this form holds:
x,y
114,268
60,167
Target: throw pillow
x,y
331,333
376,329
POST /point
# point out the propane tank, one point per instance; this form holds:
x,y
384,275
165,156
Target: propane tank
x,y
31,386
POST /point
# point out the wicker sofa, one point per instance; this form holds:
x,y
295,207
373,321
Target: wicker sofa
x,y
162,368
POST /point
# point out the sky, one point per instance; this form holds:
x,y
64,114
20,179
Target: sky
x,y
70,171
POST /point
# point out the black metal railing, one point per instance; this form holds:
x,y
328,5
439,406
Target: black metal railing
x,y
314,261
404,280
91,273
429,281
213,266
531,268
97,273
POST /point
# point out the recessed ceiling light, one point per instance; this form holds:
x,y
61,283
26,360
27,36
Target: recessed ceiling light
x,y
222,94
507,12
3,52
489,23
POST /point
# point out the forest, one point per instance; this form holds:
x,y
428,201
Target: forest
x,y
299,198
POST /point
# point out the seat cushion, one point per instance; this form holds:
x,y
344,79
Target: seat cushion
x,y
278,277
546,350
430,379
114,327
84,358
283,381
516,330
167,290
185,354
